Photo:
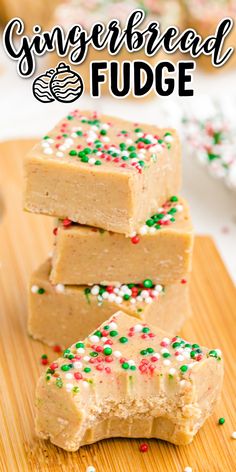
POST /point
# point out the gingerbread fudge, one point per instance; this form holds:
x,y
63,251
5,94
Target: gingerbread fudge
x,y
103,171
128,379
161,250
61,314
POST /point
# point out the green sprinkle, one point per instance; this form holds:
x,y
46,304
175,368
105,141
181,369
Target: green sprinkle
x,y
221,421
145,330
133,155
192,354
73,152
79,345
147,283
213,353
126,297
93,354
150,222
65,367
41,291
106,327
84,159
79,133
98,163
103,132
107,351
131,148
174,199
143,352
184,368
125,365
138,130
46,137
87,370
123,340
133,367
69,117
150,350
176,344
87,150
98,333
166,354
113,333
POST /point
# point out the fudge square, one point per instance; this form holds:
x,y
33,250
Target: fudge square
x,y
161,252
102,171
61,314
128,379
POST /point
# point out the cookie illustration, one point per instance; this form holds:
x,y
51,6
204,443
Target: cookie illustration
x,y
41,87
66,85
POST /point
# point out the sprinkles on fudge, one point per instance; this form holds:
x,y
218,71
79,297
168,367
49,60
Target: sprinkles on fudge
x,y
96,353
89,141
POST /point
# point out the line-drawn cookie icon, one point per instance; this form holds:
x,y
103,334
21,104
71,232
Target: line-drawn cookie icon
x,y
41,89
66,85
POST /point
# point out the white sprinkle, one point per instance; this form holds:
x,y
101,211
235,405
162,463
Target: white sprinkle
x,y
118,300
148,300
86,358
179,207
166,362
48,150
94,128
95,290
139,135
85,384
45,144
59,154
180,358
69,387
69,376
99,153
168,139
131,362
233,435
100,299
78,365
111,297
172,371
60,288
105,295
80,350
129,141
164,350
116,290
105,139
92,161
105,126
138,328
94,338
144,294
139,298
182,383
143,230
113,325
90,468
117,354
68,141
104,340
50,141
159,288
188,469
156,354
34,288
166,340
132,301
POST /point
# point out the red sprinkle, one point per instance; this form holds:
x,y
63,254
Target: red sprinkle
x,y
53,366
135,239
57,348
44,361
143,447
66,222
55,231
183,281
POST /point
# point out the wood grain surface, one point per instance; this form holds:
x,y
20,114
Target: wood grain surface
x,y
25,241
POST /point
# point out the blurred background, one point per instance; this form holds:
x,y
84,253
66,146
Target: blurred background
x,y
207,122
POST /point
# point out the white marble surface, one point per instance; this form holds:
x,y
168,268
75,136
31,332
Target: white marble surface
x,y
213,205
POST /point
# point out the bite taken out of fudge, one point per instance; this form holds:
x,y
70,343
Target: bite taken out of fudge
x,y
128,379
161,250
61,314
103,171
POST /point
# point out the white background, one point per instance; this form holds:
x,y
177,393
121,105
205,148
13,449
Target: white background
x,y
213,205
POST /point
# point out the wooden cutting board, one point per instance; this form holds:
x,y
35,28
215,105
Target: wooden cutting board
x,y
25,241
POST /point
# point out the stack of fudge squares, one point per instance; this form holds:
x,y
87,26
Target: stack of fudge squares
x,y
123,237
116,287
